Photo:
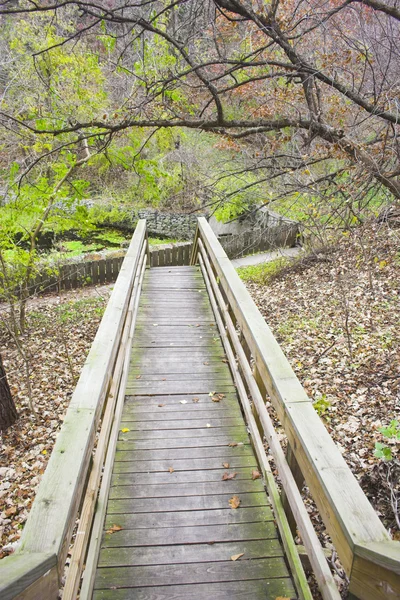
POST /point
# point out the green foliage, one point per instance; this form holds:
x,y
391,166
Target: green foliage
x,y
70,312
159,242
391,432
262,273
322,406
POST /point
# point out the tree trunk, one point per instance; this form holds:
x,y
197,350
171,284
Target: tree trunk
x,y
8,412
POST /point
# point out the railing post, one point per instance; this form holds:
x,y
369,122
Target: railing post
x,y
299,479
195,247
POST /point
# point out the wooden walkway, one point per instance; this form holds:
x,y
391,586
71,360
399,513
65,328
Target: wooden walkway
x,y
168,494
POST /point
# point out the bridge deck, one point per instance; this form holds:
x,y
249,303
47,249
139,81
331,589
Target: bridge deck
x,y
167,494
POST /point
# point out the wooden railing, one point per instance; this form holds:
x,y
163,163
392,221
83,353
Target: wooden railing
x,y
369,556
72,476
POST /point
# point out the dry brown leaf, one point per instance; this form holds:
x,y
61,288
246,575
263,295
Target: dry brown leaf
x,y
228,476
161,405
225,465
282,598
217,397
255,474
234,502
225,360
206,362
237,556
232,444
171,470
138,376
114,528
195,399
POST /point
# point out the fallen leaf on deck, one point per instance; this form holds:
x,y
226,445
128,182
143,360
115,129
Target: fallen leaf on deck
x,y
217,397
232,444
224,360
114,528
234,502
182,401
198,325
171,470
282,598
211,394
208,425
195,399
255,474
225,465
206,362
165,379
237,556
138,376
160,405
125,430
228,476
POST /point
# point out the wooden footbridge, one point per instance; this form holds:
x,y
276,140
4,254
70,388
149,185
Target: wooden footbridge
x,y
162,474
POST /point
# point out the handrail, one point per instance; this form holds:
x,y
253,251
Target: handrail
x,y
35,569
370,558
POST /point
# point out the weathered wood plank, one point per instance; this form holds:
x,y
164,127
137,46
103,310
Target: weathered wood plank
x,y
183,465
200,403
125,453
179,477
183,503
177,343
29,577
160,370
174,490
187,554
222,441
228,590
183,424
200,386
197,518
222,376
240,570
183,413
167,536
173,434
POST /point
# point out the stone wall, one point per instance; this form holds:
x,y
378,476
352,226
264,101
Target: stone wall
x,y
255,232
174,225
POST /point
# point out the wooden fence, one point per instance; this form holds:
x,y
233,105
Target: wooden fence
x,y
106,270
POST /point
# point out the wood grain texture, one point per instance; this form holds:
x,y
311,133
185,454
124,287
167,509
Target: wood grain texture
x,y
203,518
188,553
228,590
172,574
204,534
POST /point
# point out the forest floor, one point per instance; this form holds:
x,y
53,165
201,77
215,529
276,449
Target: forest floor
x,y
336,315
59,333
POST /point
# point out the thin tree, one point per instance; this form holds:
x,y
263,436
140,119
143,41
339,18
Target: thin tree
x,y
8,412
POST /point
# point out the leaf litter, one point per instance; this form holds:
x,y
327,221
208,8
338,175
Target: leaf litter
x,y
58,328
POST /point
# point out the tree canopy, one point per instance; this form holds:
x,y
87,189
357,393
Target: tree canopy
x,y
306,93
